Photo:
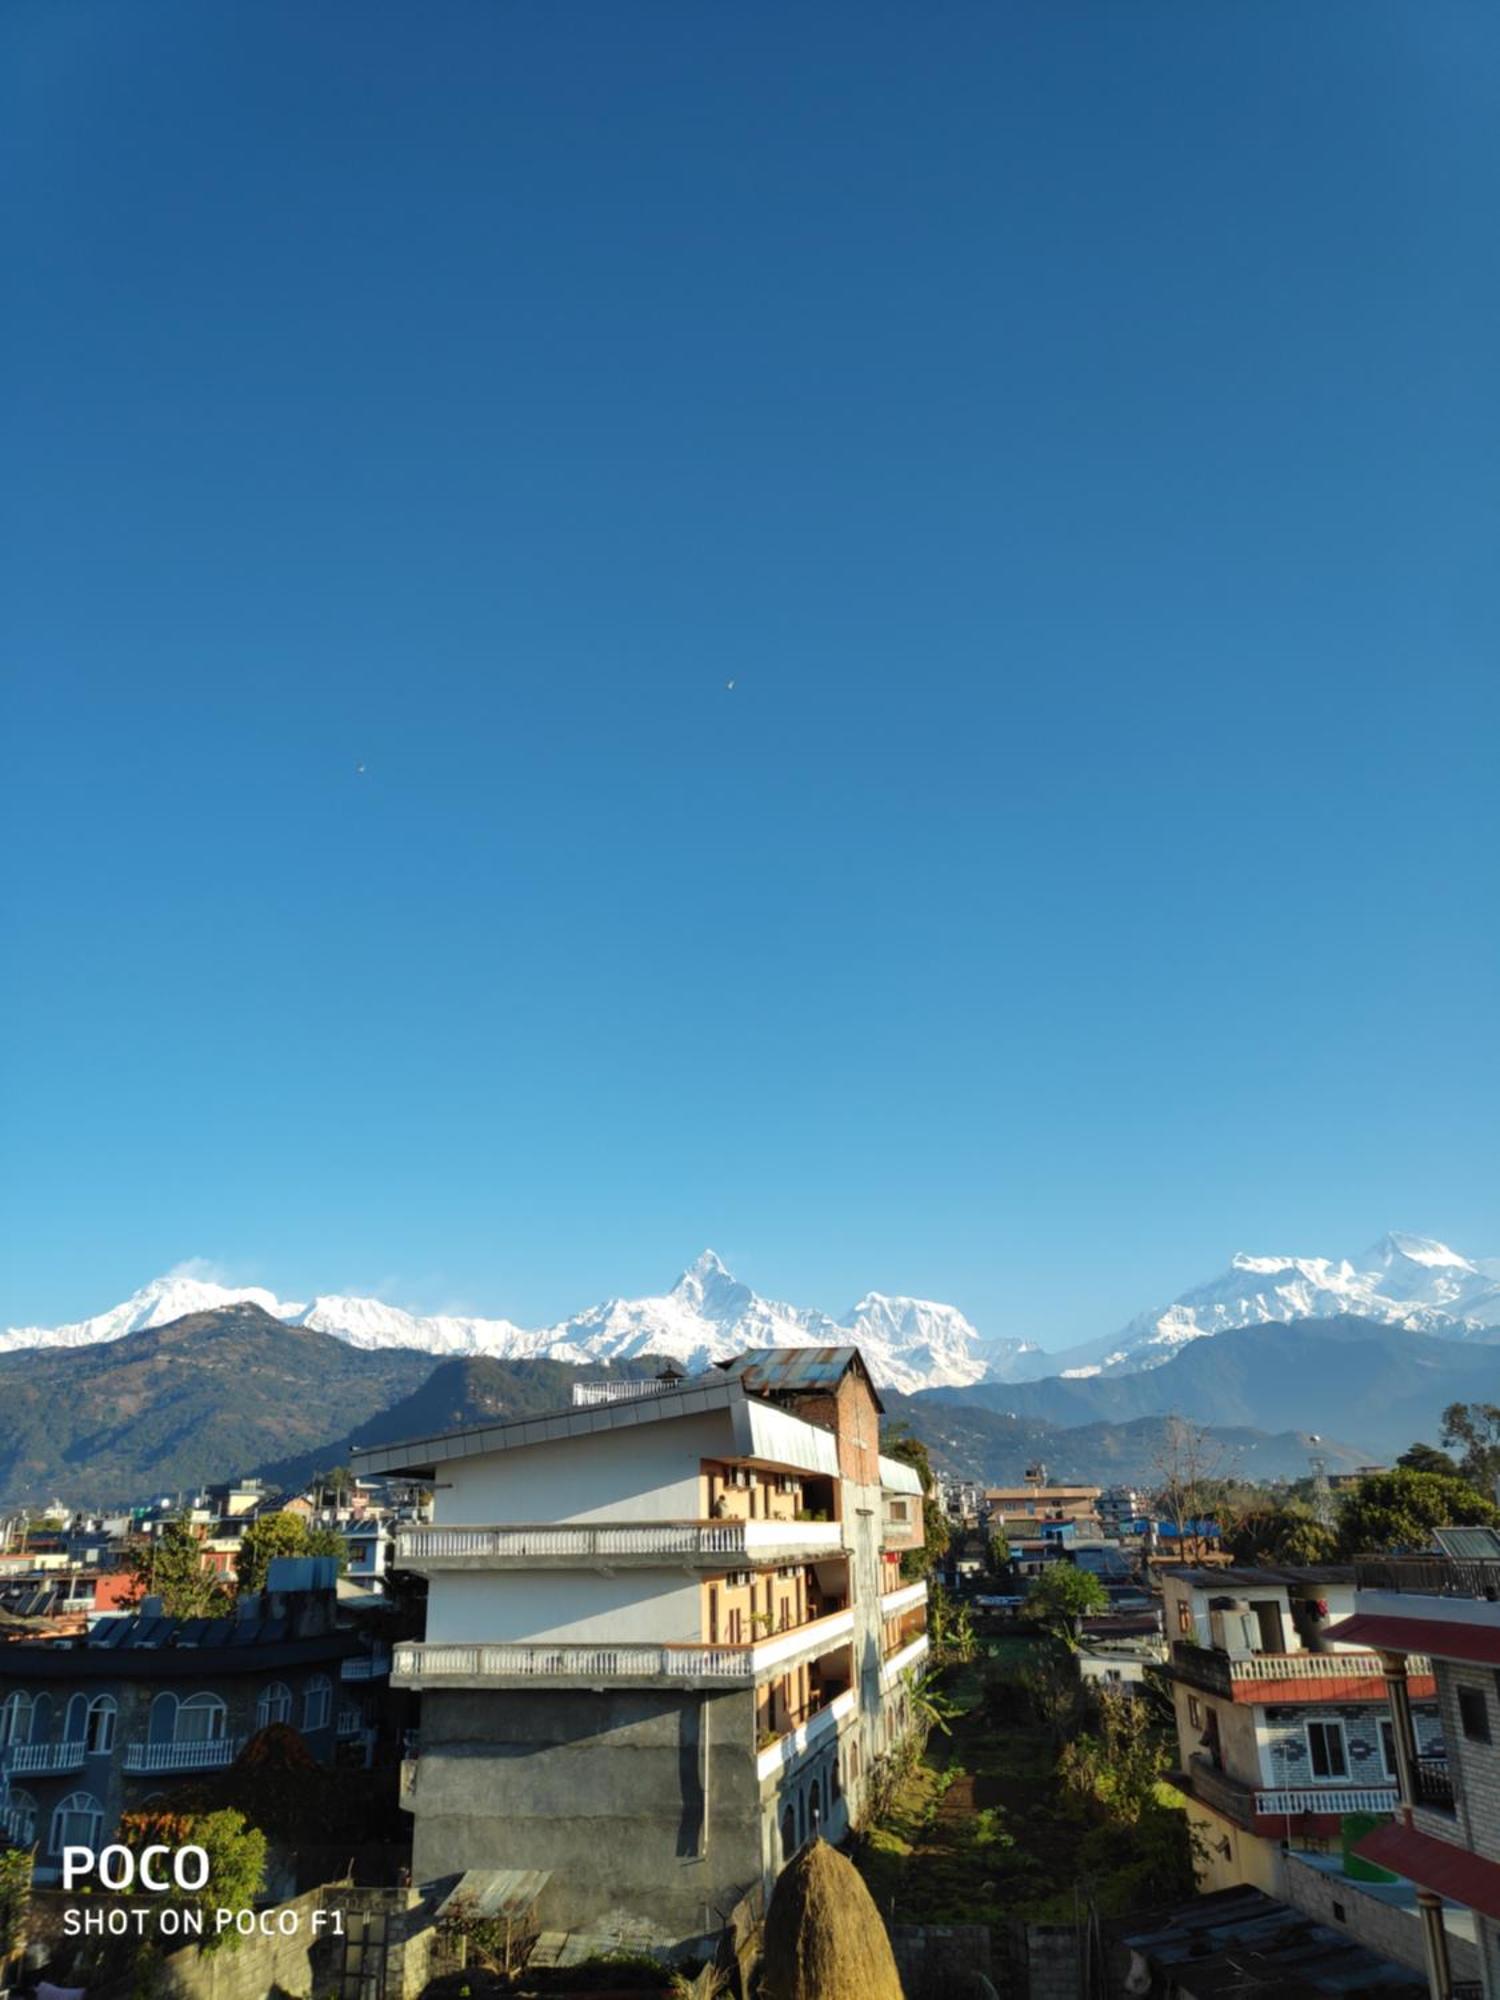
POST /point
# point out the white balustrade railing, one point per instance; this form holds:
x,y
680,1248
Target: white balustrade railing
x,y
1317,1666
43,1757
673,1541
1329,1799
434,1660
209,1755
905,1599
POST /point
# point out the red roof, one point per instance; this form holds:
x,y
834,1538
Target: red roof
x,y
1435,1864
1440,1638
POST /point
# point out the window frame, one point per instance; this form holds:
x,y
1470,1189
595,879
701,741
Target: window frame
x,y
1325,1724
1472,1695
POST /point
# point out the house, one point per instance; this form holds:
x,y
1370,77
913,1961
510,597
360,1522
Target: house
x,y
97,1727
1034,1503
1283,1730
1437,1617
667,1637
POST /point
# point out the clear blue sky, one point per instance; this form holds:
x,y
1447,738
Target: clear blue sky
x,y
1074,429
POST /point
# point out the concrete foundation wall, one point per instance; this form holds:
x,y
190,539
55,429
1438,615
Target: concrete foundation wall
x,y
1395,1932
643,1802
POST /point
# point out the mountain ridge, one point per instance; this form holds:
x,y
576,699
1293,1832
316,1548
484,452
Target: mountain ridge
x,y
1413,1283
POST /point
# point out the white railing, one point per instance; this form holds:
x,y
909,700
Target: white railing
x,y
351,1722
1329,1799
364,1667
905,1599
787,1749
210,1755
909,1656
44,1756
673,1541
589,1395
1317,1666
433,1660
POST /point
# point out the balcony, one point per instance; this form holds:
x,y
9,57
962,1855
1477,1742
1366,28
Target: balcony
x,y
1431,1576
907,1660
365,1667
809,1731
1280,1677
351,1722
1432,1784
434,1664
1244,1804
40,1759
213,1754
710,1545
894,1602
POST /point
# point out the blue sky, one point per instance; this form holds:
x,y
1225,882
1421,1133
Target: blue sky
x,y
1072,429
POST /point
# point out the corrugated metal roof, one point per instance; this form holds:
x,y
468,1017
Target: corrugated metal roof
x,y
767,1368
497,1892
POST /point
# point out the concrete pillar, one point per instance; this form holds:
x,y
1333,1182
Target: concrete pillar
x,y
1435,1944
1393,1665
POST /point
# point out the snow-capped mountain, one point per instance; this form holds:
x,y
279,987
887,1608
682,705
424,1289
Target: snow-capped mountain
x,y
707,1315
1409,1281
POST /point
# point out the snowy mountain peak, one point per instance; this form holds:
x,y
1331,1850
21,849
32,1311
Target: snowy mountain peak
x,y
1423,1250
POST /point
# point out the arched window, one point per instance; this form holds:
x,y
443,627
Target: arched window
x,y
15,1719
788,1834
161,1727
77,1822
200,1719
99,1734
814,1810
317,1702
275,1705
19,1819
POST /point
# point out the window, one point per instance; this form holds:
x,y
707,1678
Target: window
x,y
78,1822
898,1510
1388,1746
1195,1712
1326,1751
1474,1714
99,1729
317,1702
200,1719
1184,1617
21,1819
788,1834
275,1705
15,1719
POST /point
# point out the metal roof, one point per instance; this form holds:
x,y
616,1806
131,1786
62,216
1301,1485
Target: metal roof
x,y
767,1370
496,1892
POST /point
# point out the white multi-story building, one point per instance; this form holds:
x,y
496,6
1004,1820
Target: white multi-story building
x,y
667,1637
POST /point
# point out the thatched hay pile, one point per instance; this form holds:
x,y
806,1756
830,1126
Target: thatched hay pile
x,y
824,1938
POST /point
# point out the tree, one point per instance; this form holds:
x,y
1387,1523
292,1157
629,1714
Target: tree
x,y
1281,1535
950,1627
170,1566
1476,1426
900,1443
1187,1465
1397,1511
1421,1457
282,1535
930,1706
999,1551
1061,1596
236,1862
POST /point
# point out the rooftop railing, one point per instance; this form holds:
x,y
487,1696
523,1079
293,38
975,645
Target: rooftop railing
x,y
1223,1672
1431,1576
665,1541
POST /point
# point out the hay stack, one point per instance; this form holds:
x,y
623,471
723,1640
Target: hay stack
x,y
824,1937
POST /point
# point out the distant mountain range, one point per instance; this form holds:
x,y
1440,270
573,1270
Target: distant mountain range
x,y
1408,1282
234,1391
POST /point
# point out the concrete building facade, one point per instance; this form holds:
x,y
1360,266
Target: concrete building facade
x,y
667,1637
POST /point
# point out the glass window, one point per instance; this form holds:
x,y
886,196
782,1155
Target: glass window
x,y
1474,1714
99,1732
77,1822
200,1719
317,1702
1388,1746
15,1719
275,1705
19,1820
1326,1751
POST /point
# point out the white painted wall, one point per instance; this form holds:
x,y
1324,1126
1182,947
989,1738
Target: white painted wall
x,y
647,1606
644,1472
